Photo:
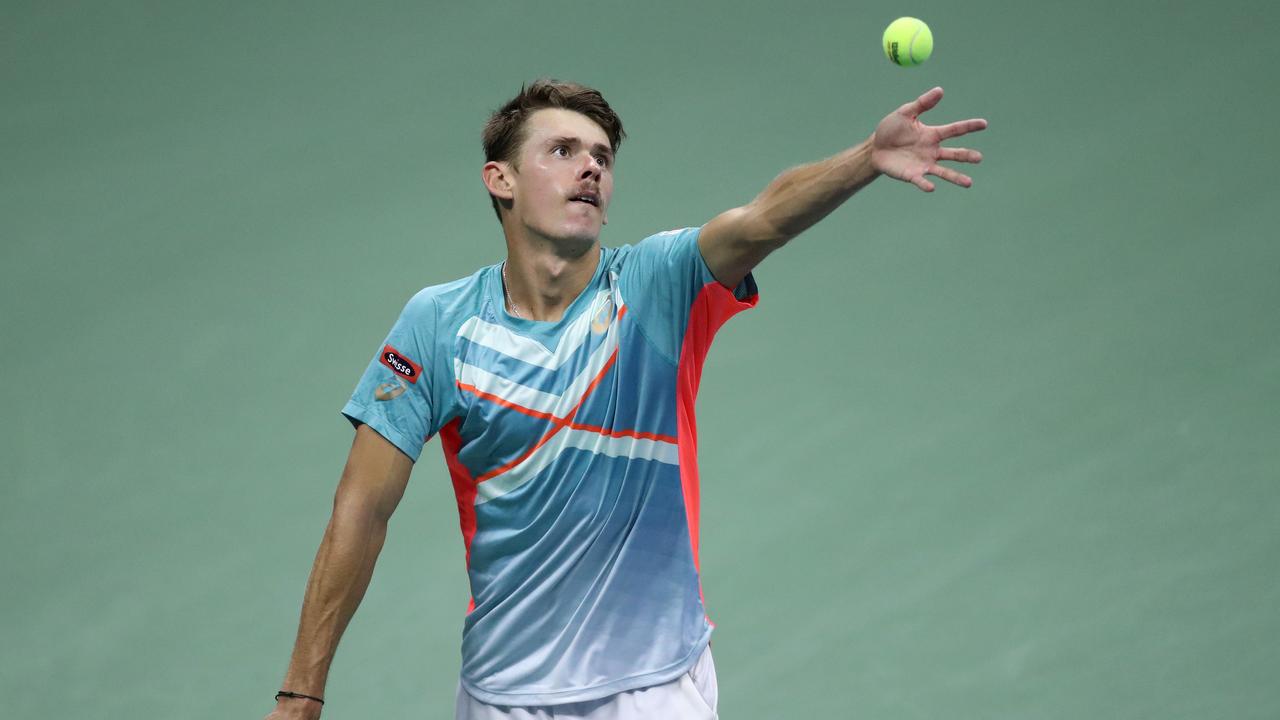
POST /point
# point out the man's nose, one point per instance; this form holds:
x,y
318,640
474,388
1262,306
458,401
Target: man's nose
x,y
593,167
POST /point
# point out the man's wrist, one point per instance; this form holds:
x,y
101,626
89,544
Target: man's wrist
x,y
865,154
298,708
299,696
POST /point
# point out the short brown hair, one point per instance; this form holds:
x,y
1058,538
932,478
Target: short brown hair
x,y
504,132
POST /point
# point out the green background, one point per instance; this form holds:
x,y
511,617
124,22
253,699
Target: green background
x,y
1007,452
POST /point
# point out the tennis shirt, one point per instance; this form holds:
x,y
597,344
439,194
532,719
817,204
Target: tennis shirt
x,y
573,454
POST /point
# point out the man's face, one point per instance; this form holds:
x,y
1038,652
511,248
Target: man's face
x,y
564,179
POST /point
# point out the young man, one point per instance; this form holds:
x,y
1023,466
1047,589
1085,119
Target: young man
x,y
561,383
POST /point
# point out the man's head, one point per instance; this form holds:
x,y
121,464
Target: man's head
x,y
549,159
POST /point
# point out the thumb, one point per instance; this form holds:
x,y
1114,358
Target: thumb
x,y
922,104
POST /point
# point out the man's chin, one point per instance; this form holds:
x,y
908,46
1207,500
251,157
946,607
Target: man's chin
x,y
570,239
578,239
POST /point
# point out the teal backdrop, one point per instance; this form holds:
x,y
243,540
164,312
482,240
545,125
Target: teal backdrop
x,y
1006,452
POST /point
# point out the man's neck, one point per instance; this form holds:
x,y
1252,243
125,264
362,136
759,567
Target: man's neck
x,y
543,277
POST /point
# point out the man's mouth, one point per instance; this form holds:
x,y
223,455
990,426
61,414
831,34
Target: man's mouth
x,y
588,198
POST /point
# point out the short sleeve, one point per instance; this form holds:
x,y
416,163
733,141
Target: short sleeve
x,y
665,279
394,396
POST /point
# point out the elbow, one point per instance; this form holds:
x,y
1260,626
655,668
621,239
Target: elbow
x,y
361,505
354,510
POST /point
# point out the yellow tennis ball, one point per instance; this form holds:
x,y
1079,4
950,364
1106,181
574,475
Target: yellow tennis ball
x,y
908,41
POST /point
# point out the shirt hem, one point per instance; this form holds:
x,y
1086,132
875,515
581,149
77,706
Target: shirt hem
x,y
595,692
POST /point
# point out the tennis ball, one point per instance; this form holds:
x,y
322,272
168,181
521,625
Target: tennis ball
x,y
908,42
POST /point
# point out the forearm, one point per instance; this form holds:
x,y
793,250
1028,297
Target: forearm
x,y
736,240
339,577
802,196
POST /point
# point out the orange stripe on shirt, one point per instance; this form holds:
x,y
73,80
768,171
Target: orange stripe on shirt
x,y
557,423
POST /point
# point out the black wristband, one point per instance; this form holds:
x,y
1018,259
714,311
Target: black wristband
x,y
286,693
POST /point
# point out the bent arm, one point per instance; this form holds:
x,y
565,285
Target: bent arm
x,y
372,484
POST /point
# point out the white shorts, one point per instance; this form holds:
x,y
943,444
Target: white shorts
x,y
692,696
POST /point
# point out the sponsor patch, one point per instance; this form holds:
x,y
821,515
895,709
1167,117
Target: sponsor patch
x,y
400,364
390,391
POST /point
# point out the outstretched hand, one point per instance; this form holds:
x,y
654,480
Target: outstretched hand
x,y
902,147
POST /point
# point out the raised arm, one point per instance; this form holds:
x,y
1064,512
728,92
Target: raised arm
x,y
372,484
901,147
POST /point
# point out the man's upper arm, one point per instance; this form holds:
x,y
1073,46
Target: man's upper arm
x,y
733,243
376,473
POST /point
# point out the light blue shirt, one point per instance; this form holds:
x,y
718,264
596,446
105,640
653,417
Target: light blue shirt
x,y
572,451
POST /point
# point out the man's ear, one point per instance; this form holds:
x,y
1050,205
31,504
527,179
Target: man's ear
x,y
498,179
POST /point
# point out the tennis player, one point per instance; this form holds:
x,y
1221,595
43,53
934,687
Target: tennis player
x,y
561,383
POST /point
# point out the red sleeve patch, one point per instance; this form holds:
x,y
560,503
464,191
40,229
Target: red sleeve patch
x,y
400,364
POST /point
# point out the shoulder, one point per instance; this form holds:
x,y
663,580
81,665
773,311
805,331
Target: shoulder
x,y
657,244
441,302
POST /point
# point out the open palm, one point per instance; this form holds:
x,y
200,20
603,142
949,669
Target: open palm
x,y
907,149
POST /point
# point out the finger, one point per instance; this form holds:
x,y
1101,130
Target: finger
x,y
959,155
951,176
921,104
921,183
964,127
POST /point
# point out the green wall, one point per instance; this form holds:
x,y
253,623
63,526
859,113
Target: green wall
x,y
1009,452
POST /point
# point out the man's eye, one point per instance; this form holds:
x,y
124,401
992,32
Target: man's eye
x,y
561,150
603,160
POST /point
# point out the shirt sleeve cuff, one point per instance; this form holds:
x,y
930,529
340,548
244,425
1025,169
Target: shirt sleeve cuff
x,y
361,415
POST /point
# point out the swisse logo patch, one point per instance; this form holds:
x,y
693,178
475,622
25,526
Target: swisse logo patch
x,y
401,365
